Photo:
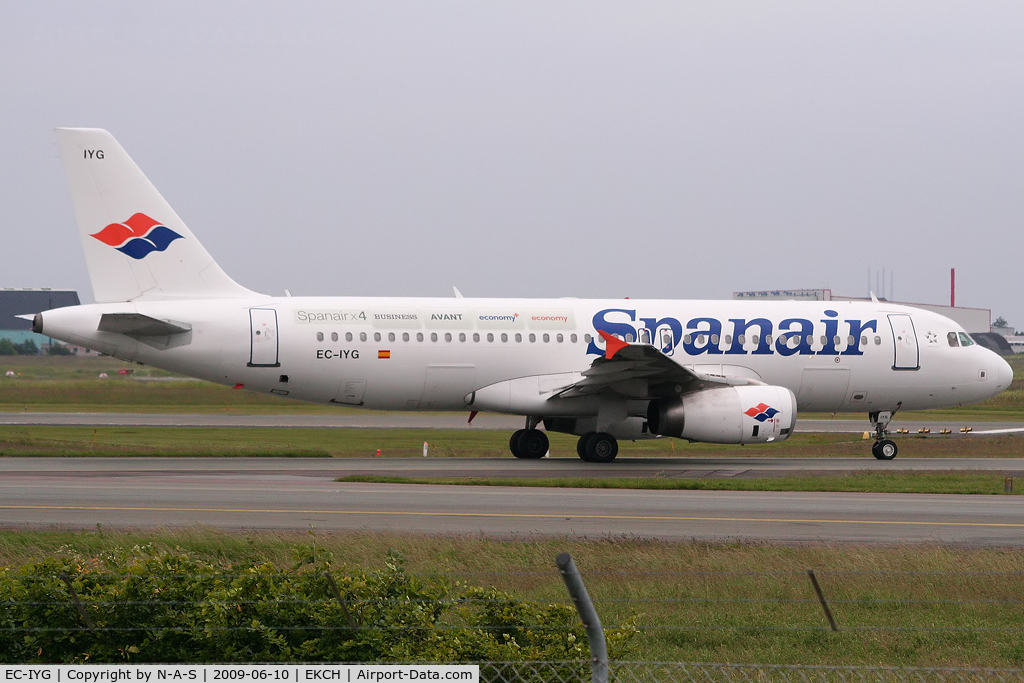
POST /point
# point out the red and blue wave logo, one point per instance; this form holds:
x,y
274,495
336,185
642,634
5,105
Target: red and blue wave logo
x,y
138,236
761,412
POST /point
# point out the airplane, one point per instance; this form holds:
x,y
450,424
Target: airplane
x,y
730,372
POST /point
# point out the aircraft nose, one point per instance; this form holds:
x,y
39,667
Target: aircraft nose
x,y
1004,374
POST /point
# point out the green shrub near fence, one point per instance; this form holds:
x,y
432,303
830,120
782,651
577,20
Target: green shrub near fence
x,y
141,605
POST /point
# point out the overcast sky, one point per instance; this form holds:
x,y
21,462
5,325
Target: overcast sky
x,y
642,149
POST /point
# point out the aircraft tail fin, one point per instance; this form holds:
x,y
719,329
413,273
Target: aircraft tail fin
x,y
136,247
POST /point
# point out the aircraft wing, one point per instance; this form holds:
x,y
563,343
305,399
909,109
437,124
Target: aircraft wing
x,y
641,371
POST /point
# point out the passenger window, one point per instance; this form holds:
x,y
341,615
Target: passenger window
x,y
849,340
419,336
362,336
878,341
767,339
319,336
741,339
965,340
629,337
824,340
447,336
952,340
547,337
755,339
572,337
714,339
490,336
519,337
559,338
587,338
476,336
504,337
686,339
728,339
376,336
836,340
348,336
405,336
334,336
533,337
864,340
645,336
433,336
391,336
462,336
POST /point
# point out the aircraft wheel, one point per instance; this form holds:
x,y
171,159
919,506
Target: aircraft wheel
x,y
513,442
602,447
533,444
581,446
885,449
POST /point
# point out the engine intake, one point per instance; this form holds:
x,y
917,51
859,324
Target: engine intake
x,y
747,414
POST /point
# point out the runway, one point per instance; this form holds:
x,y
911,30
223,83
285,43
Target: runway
x,y
250,494
411,420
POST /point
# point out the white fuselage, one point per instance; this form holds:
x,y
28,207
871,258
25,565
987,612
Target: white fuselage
x,y
430,354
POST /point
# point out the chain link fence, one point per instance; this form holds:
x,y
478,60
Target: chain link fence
x,y
681,672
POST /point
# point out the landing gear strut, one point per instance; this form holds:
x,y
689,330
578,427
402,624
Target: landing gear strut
x,y
597,447
883,448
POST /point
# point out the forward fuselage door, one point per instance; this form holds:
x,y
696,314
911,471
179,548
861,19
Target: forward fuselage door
x,y
907,354
264,343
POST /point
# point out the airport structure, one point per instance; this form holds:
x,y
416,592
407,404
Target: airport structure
x,y
976,321
15,302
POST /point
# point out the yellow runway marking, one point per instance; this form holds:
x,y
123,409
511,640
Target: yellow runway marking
x,y
513,515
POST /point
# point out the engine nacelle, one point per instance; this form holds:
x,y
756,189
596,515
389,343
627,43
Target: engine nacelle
x,y
745,414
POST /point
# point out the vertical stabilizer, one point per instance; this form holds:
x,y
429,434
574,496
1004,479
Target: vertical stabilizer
x,y
136,247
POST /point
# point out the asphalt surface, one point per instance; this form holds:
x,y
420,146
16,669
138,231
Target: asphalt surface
x,y
251,493
370,420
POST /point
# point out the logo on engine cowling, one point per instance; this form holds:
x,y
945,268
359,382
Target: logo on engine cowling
x,y
761,412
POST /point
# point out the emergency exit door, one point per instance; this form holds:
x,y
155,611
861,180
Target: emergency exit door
x,y
263,351
907,355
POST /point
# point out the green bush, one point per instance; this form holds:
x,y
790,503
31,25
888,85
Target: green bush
x,y
58,349
147,606
7,347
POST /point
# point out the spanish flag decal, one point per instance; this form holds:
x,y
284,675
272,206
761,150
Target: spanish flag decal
x,y
383,354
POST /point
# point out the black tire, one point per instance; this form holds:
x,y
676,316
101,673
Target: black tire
x,y
533,444
885,449
602,447
513,442
581,446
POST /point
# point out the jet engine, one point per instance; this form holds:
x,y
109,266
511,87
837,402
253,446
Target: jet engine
x,y
744,414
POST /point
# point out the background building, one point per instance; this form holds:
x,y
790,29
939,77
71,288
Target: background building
x,y
15,302
976,321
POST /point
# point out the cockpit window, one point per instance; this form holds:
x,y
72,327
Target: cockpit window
x,y
952,339
965,340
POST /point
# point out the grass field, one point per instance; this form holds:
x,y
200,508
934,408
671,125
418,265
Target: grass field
x,y
914,606
284,442
873,482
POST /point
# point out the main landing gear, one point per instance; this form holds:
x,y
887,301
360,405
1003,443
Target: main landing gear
x,y
531,443
597,447
883,448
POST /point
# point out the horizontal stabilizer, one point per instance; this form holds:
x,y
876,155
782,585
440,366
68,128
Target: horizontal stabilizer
x,y
140,326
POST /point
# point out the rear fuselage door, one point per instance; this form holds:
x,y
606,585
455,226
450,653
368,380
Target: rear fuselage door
x,y
907,355
264,345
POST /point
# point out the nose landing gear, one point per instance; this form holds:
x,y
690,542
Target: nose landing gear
x,y
883,448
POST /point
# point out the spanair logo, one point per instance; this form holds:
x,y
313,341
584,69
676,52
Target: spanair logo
x,y
138,236
761,412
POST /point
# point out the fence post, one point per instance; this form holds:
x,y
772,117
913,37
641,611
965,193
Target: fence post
x,y
342,602
821,599
78,603
588,615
